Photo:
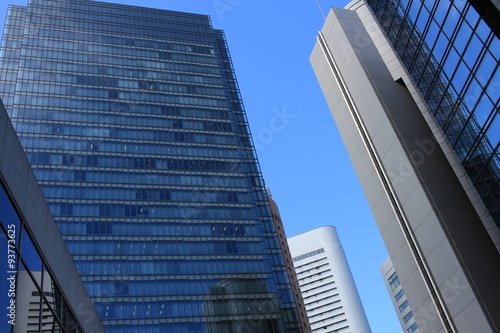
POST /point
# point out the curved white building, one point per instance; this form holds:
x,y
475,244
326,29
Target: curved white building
x,y
330,296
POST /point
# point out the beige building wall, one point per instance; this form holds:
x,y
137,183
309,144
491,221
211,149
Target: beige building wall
x,y
299,302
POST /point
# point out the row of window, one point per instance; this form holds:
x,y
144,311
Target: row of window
x,y
125,28
169,288
132,149
322,282
313,270
110,9
313,276
64,102
69,45
313,264
119,42
165,135
139,163
320,294
334,327
127,18
50,57
166,247
134,79
39,100
103,177
176,71
141,115
321,321
46,87
330,306
52,106
114,268
152,147
179,309
146,194
35,143
324,299
332,315
159,229
150,210
194,324
307,255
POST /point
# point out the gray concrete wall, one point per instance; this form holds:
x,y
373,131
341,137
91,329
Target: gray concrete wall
x,y
433,233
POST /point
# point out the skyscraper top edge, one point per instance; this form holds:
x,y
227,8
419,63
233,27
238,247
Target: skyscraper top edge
x,y
314,230
134,9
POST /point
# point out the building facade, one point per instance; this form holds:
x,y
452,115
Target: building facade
x,y
292,276
412,89
398,298
133,123
41,290
330,296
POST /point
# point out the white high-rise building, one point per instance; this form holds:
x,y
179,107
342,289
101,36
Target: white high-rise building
x,y
330,296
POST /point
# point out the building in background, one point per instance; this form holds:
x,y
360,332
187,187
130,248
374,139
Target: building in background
x,y
133,123
287,256
330,296
398,298
413,89
40,286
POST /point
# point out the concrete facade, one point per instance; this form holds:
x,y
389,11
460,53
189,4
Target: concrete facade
x,y
297,295
398,297
330,296
434,232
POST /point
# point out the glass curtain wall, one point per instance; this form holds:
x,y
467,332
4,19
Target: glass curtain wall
x,y
132,120
453,58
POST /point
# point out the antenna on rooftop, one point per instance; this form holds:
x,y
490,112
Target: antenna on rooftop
x,y
321,10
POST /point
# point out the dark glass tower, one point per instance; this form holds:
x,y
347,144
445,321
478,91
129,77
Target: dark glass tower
x,y
132,120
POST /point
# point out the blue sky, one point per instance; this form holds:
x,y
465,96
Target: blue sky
x,y
302,157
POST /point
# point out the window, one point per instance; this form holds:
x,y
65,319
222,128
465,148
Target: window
x,y
393,281
408,317
399,295
307,255
403,306
412,328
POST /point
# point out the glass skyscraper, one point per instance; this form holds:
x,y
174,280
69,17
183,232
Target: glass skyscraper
x,y
133,123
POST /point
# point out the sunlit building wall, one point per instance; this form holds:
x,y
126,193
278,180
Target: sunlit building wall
x,y
412,89
398,298
330,295
292,276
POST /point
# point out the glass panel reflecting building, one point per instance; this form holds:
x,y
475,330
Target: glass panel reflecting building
x,y
41,290
132,120
453,57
